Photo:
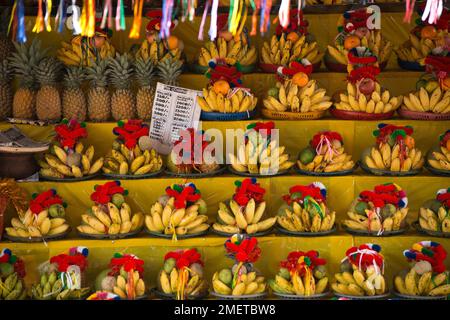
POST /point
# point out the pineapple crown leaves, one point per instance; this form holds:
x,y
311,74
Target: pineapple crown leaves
x,y
169,70
5,71
74,76
144,71
98,73
121,71
48,71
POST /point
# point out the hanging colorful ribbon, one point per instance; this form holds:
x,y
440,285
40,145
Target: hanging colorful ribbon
x,y
255,6
75,18
60,16
213,24
21,36
39,24
107,15
48,13
265,16
12,18
284,13
137,21
166,20
202,23
120,16
433,11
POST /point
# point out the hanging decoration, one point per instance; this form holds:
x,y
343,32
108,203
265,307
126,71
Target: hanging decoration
x,y
87,20
107,15
39,24
48,13
166,21
432,12
21,35
137,21
202,23
60,16
120,16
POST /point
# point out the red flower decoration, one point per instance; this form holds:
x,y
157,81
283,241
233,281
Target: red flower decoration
x,y
103,193
130,132
44,200
247,190
182,198
246,251
68,134
311,260
364,260
185,258
128,262
64,261
330,135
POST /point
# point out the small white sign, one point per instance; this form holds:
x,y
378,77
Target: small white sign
x,y
174,108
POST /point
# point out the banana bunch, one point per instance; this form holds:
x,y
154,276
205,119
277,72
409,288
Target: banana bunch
x,y
138,161
129,285
416,49
164,218
281,51
385,157
424,284
50,287
376,102
257,157
185,282
434,220
236,219
115,217
48,222
157,52
61,163
310,284
359,283
440,160
12,287
231,51
422,101
375,42
240,101
306,218
75,53
290,97
245,284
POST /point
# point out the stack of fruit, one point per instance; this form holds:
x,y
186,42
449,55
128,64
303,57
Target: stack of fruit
x,y
110,216
259,153
424,40
439,158
244,211
12,273
295,96
229,47
427,276
301,275
325,155
242,280
44,219
225,94
131,154
181,211
183,159
124,277
305,210
433,215
361,273
63,277
431,101
292,43
394,153
182,276
354,32
68,159
378,212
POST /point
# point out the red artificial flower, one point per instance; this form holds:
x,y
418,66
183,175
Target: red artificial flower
x,y
330,135
130,132
64,261
103,193
68,134
182,198
44,200
185,258
128,262
249,189
246,251
311,261
364,260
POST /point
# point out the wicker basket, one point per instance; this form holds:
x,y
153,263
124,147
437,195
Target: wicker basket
x,y
284,115
355,115
417,115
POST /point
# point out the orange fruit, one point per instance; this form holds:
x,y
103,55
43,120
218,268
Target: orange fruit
x,y
292,36
351,42
301,79
446,83
448,144
227,35
428,32
172,42
409,141
221,86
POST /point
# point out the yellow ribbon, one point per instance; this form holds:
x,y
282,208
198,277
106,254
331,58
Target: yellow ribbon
x,y
48,13
39,24
136,28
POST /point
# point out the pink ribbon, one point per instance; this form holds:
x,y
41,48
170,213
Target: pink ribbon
x,y
202,24
107,15
323,140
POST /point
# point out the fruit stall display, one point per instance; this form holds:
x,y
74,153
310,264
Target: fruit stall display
x,y
120,212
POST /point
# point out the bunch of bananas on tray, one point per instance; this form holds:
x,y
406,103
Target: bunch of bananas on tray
x,y
394,151
12,272
242,278
63,277
370,212
82,50
305,209
325,153
437,101
257,156
131,152
244,212
361,272
428,275
297,93
433,215
286,48
159,50
441,160
178,213
311,280
182,275
110,215
67,156
127,284
231,51
45,217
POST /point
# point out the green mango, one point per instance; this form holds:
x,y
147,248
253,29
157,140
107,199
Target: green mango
x,y
169,264
118,199
284,273
6,269
226,276
361,208
320,272
56,211
307,155
273,92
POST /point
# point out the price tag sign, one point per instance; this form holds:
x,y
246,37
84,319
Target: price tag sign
x,y
174,108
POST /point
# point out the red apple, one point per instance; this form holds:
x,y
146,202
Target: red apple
x,y
366,86
99,41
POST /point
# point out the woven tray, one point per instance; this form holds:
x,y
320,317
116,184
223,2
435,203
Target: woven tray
x,y
196,175
38,239
365,233
298,297
286,115
355,115
256,234
179,237
325,174
408,65
221,116
305,234
379,172
416,115
133,176
256,296
256,175
196,68
272,68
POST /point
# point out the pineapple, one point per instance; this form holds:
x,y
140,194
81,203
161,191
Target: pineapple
x,y
122,100
23,63
6,46
5,90
99,99
146,93
48,99
169,70
73,99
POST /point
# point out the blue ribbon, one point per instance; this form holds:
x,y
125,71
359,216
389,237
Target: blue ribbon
x,y
21,36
